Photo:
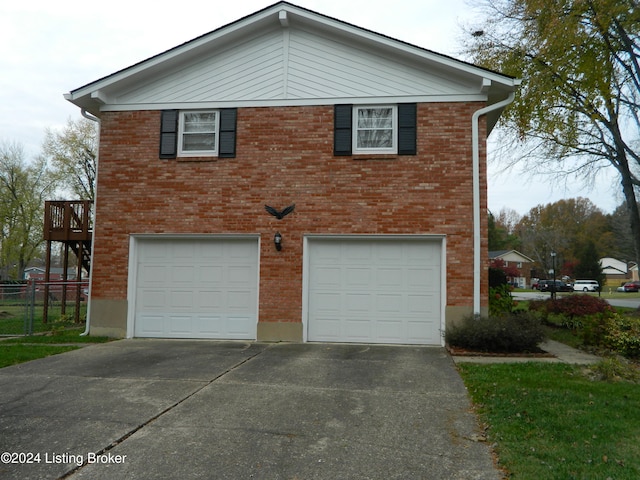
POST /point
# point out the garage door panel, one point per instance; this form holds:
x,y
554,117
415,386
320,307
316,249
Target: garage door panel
x,y
387,277
357,253
210,275
238,325
151,299
150,324
182,274
181,300
180,325
327,329
196,288
209,325
374,290
357,303
328,277
326,302
389,303
423,304
357,330
212,300
357,277
152,274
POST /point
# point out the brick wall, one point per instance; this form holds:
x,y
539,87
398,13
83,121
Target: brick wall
x,y
285,156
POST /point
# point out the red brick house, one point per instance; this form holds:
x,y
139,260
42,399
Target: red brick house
x,y
378,147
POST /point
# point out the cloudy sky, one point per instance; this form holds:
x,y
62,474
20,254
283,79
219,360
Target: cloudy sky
x,y
48,48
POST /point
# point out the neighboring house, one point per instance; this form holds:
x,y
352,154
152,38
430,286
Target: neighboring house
x,y
618,271
516,261
56,274
379,144
633,269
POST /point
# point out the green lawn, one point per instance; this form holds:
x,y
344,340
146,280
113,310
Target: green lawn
x,y
551,421
12,317
23,349
14,354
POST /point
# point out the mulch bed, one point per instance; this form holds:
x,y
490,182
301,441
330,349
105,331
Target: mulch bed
x,y
463,352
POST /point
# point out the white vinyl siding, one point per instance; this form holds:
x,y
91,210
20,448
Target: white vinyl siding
x,y
278,69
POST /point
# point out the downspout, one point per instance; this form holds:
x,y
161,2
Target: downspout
x,y
88,116
475,138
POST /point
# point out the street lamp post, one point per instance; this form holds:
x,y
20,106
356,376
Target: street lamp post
x,y
553,285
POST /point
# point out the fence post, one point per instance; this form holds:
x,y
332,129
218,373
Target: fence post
x,y
30,302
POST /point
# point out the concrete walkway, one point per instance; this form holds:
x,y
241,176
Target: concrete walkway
x,y
561,354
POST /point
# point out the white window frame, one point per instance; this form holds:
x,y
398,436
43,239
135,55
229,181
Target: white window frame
x,y
394,126
181,133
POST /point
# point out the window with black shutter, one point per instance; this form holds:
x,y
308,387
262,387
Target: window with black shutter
x,y
198,133
375,129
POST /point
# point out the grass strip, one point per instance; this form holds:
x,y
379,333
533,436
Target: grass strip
x,y
14,354
551,421
65,337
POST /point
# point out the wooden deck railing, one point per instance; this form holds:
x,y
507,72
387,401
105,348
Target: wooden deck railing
x,y
67,220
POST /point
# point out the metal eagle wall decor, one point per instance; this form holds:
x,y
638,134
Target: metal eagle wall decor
x,y
280,214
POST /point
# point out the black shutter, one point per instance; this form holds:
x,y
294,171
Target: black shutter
x,y
342,140
407,128
227,145
169,134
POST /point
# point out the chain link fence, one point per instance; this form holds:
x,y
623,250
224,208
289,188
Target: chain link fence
x,y
22,306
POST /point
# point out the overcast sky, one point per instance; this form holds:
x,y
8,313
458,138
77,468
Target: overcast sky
x,y
48,48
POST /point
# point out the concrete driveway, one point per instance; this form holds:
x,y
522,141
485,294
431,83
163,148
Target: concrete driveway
x,y
233,410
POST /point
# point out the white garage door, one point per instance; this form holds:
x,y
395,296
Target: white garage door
x,y
196,288
374,291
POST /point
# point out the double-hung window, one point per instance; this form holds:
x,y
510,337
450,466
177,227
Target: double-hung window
x,y
375,128
198,133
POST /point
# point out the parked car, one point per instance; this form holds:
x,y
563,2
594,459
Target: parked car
x,y
586,286
547,286
629,287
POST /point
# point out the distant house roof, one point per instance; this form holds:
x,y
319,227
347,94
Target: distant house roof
x,y
613,266
509,256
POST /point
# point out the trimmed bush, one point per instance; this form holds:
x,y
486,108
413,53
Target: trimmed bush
x,y
572,306
505,334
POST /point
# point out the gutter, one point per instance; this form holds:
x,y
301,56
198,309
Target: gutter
x,y
476,195
88,116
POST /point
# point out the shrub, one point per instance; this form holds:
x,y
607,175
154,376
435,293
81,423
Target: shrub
x,y
578,306
503,334
616,369
623,335
500,300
